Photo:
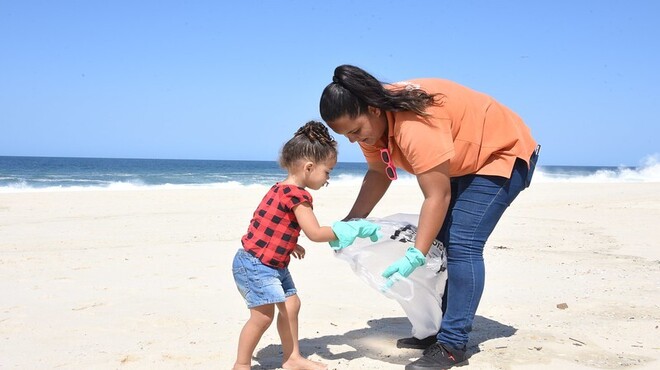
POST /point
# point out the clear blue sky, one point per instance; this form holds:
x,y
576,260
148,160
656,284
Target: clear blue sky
x,y
172,79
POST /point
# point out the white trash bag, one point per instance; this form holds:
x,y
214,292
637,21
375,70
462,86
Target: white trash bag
x,y
420,294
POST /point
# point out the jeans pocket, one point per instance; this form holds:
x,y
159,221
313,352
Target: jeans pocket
x,y
242,281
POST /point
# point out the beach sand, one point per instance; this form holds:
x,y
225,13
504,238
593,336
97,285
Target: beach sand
x,y
141,279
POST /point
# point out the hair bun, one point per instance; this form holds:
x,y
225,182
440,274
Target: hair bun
x,y
316,131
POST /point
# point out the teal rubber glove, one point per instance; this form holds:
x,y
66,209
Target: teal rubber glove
x,y
347,231
367,229
404,266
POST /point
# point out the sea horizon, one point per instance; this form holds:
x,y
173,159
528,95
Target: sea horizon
x,y
36,173
263,160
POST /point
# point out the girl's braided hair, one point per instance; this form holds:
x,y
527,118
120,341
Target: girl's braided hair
x,y
311,142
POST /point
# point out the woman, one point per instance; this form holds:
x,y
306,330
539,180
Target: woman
x,y
471,157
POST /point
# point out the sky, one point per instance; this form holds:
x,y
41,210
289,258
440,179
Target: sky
x,y
233,80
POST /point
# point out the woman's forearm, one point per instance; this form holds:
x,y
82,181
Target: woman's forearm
x,y
374,186
436,187
431,218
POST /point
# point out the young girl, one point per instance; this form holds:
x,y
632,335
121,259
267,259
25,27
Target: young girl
x,y
260,267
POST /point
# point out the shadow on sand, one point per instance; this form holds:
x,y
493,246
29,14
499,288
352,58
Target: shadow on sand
x,y
368,342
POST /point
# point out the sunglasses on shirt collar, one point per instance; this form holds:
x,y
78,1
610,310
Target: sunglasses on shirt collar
x,y
390,170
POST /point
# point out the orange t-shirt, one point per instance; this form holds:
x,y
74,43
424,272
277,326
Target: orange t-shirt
x,y
474,132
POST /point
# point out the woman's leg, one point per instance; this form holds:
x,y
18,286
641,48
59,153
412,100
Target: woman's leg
x,y
478,203
260,319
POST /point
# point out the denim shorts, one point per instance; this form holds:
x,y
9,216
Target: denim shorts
x,y
260,284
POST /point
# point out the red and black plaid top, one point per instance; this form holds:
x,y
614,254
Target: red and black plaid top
x,y
273,232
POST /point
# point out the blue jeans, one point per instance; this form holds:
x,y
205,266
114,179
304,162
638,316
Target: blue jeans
x,y
477,204
260,284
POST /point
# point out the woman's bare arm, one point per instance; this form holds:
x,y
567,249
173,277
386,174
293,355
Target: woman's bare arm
x,y
436,187
374,186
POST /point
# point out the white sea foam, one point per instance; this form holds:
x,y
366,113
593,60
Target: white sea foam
x,y
648,171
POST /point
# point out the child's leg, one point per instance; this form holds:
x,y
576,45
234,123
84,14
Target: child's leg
x,y
287,327
260,319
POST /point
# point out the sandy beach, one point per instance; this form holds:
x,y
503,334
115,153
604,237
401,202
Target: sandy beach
x,y
141,279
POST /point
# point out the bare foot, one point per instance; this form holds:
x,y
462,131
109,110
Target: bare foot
x,y
241,367
301,363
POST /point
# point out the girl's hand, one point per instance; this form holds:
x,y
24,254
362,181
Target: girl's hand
x,y
347,231
298,252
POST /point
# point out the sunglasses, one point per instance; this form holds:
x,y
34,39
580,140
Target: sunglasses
x,y
390,170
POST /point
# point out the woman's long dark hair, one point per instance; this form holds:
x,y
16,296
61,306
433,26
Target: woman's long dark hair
x,y
353,89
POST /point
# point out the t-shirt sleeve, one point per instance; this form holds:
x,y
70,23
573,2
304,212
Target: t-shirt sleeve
x,y
295,196
424,143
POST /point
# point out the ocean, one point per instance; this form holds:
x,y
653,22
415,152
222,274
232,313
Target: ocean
x,y
21,174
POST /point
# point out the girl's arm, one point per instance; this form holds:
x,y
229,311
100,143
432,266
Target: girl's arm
x,y
374,186
310,225
436,187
